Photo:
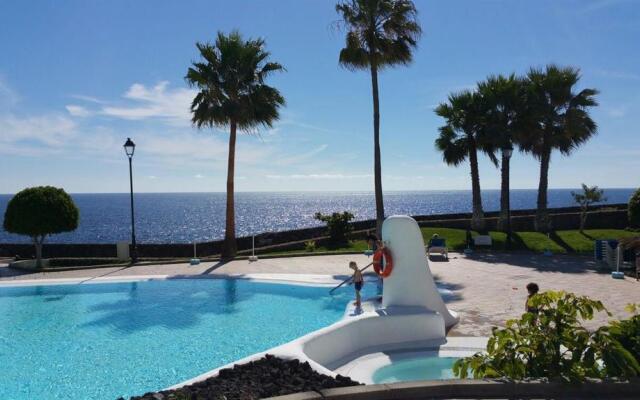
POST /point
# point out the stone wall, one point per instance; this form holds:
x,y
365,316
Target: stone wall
x,y
607,216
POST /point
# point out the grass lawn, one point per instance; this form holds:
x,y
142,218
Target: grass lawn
x,y
583,242
571,241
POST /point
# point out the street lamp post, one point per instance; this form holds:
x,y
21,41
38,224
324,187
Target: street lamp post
x,y
129,149
507,151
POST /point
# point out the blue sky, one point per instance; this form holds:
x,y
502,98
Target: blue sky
x,y
78,77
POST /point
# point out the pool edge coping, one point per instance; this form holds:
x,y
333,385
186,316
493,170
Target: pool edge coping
x,y
321,280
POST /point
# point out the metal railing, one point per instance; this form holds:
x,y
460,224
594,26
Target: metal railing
x,y
349,278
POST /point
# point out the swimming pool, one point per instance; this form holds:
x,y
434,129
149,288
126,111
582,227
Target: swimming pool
x,y
416,369
105,340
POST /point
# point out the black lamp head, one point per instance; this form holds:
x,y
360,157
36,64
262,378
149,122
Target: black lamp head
x,y
129,147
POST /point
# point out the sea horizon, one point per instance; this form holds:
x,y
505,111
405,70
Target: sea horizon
x,y
330,191
187,217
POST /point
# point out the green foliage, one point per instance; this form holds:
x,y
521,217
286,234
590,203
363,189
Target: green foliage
x,y
634,210
230,82
41,211
379,33
464,113
552,344
310,246
504,121
627,331
588,196
338,225
558,118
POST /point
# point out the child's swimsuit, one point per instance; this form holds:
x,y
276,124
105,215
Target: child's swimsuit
x,y
358,286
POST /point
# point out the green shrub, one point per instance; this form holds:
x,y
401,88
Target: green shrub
x,y
634,210
588,196
552,343
627,331
41,211
338,226
310,246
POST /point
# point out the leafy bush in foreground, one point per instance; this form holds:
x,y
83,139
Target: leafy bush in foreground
x,y
338,226
554,344
627,331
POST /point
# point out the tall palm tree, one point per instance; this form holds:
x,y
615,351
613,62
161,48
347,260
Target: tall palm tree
x,y
559,121
380,34
461,138
504,123
232,92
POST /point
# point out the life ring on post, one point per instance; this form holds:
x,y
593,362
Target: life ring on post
x,y
388,262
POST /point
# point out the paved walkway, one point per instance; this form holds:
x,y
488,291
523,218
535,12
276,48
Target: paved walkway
x,y
486,290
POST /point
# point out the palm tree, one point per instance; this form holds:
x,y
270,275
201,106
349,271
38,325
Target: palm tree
x,y
559,121
232,92
461,138
504,97
380,33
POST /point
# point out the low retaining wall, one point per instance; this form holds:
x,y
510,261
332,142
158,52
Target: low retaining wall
x,y
474,389
560,220
613,216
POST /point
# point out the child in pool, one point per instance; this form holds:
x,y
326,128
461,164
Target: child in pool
x,y
357,281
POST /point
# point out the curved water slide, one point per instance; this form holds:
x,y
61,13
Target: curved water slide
x,y
411,283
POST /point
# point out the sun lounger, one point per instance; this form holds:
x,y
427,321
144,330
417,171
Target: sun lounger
x,y
439,246
482,240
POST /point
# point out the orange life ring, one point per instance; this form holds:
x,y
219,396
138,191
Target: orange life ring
x,y
377,262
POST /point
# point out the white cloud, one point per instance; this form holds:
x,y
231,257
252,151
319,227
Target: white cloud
x,y
602,4
8,97
617,112
188,148
319,176
157,102
49,129
617,74
77,111
198,176
302,156
89,99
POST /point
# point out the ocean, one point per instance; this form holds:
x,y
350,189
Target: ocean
x,y
199,217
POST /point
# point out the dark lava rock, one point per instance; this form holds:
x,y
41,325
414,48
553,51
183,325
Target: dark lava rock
x,y
267,377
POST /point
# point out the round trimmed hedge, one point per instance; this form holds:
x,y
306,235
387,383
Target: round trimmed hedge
x,y
41,211
634,210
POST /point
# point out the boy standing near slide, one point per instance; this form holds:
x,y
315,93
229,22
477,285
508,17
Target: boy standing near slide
x,y
357,280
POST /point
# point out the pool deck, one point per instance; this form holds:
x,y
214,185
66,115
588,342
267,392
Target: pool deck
x,y
487,289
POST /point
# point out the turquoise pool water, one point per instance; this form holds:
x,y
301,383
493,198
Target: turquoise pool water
x,y
102,341
416,369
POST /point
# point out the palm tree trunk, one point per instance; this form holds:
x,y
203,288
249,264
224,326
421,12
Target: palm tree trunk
x,y
583,218
503,223
229,249
38,241
377,167
542,223
477,217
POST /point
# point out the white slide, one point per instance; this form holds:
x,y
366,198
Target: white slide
x,y
411,282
